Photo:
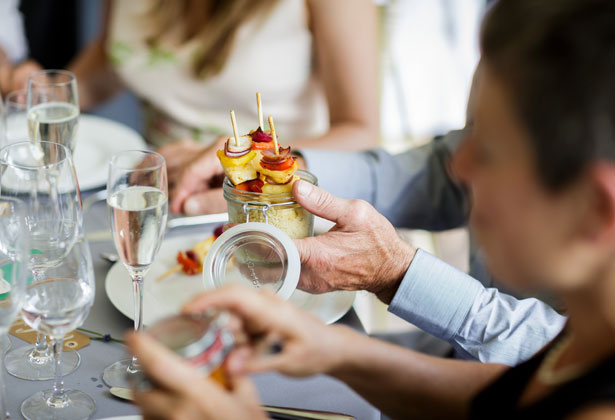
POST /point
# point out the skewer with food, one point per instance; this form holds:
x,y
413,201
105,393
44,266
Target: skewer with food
x,y
261,140
191,261
270,174
270,171
237,156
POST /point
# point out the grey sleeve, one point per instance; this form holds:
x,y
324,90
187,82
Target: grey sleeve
x,y
411,189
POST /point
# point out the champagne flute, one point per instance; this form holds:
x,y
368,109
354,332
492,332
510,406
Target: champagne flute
x,y
13,272
137,202
53,107
15,128
15,123
55,305
42,175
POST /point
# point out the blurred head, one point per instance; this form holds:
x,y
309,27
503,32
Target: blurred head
x,y
540,158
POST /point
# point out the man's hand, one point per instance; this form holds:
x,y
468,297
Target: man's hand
x,y
361,252
182,393
193,192
308,346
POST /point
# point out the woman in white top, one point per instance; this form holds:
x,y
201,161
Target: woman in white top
x,y
191,61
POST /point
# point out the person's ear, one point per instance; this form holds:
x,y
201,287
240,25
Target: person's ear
x,y
601,223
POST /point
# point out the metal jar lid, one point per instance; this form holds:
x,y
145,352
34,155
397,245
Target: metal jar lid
x,y
253,254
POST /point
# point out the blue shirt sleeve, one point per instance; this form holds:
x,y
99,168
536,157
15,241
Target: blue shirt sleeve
x,y
481,323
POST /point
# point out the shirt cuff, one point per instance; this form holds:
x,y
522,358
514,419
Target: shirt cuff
x,y
435,296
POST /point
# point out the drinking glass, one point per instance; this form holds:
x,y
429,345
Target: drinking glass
x,y
15,122
137,202
13,272
43,177
55,305
53,107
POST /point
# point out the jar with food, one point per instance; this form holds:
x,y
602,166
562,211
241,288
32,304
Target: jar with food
x,y
259,179
274,206
204,340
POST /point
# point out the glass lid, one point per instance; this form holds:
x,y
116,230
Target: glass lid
x,y
256,255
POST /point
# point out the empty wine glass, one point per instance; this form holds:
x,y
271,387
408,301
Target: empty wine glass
x,y
53,107
43,177
13,272
137,201
15,122
55,305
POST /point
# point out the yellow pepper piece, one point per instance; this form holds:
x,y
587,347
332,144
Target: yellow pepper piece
x,y
240,161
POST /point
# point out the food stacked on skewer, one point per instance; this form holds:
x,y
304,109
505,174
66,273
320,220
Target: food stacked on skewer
x,y
256,162
191,261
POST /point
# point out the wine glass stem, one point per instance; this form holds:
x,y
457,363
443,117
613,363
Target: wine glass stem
x,y
58,397
41,344
137,283
41,348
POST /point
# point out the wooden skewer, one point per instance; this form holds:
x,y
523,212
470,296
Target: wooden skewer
x,y
235,131
259,108
174,270
275,138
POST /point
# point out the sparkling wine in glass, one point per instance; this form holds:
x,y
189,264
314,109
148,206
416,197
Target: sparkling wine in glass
x,y
13,271
53,107
42,175
138,207
55,305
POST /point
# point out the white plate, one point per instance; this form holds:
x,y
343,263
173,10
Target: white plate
x,y
167,296
97,140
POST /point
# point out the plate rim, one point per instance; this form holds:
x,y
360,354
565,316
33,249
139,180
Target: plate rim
x,y
346,294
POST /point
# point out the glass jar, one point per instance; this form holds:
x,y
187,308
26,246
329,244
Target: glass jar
x,y
203,340
279,210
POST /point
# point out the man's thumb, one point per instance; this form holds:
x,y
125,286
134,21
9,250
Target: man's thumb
x,y
319,202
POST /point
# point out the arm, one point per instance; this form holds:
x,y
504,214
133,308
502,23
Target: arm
x,y
402,383
348,74
348,71
408,384
97,80
482,324
363,252
412,189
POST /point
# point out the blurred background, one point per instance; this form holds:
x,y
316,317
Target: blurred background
x,y
428,52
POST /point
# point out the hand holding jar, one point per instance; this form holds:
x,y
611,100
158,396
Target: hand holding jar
x,y
181,388
279,336
361,252
270,334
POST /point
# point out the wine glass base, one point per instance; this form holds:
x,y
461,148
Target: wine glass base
x,y
18,363
80,406
116,375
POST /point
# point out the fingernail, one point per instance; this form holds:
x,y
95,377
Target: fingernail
x,y
304,188
192,206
